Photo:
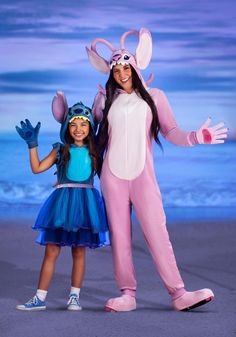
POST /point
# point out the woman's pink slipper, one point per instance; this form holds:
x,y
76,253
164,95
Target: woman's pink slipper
x,y
193,299
122,303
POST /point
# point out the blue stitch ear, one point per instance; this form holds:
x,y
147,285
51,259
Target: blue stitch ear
x,y
144,49
59,106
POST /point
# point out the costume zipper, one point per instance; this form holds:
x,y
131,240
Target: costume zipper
x,y
126,134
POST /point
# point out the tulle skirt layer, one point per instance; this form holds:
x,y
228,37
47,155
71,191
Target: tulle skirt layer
x,y
73,217
81,238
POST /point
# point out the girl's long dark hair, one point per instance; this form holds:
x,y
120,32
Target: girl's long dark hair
x,y
111,87
89,141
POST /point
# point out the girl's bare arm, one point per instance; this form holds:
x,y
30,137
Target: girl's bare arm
x,y
38,166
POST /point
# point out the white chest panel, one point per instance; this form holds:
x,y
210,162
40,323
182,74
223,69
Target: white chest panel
x,y
127,136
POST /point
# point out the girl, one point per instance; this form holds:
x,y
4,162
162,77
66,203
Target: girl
x,y
74,213
131,115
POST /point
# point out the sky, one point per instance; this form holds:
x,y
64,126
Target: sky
x,y
42,50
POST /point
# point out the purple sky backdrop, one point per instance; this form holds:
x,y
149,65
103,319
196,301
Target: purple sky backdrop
x,y
43,50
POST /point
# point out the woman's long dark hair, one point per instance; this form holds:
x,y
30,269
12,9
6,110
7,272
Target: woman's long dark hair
x,y
111,87
89,141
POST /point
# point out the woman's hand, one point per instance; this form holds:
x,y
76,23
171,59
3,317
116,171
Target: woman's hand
x,y
211,135
29,133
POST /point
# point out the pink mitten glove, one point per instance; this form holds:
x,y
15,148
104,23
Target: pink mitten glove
x,y
211,135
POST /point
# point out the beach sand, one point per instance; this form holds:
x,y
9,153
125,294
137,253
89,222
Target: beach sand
x,y
206,256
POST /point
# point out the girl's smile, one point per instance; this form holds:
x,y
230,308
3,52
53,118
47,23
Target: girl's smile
x,y
79,130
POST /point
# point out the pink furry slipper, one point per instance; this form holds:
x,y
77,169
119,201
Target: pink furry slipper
x,y
122,303
193,299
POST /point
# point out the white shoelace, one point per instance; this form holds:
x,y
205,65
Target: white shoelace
x,y
74,300
33,300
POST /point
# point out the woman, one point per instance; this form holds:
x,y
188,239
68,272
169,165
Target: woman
x,y
131,115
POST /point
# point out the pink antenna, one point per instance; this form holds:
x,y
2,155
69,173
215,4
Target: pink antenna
x,y
100,40
150,79
123,37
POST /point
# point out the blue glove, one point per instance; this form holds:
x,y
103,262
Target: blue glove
x,y
29,133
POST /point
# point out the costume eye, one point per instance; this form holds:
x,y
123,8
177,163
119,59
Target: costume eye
x,y
126,57
86,112
116,57
78,111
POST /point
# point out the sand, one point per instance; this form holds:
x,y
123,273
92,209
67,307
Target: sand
x,y
206,256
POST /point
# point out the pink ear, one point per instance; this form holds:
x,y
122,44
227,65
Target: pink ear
x,y
59,106
98,62
144,49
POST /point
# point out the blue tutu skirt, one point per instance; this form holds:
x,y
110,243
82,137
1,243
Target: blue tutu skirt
x,y
81,238
73,217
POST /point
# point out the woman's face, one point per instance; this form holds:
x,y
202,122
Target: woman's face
x,y
123,76
79,130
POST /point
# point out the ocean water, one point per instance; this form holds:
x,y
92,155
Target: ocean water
x,y
200,177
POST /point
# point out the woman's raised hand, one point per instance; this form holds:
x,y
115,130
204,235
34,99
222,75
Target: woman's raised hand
x,y
29,133
212,135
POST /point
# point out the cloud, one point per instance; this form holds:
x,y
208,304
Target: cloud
x,y
44,48
50,80
40,81
73,19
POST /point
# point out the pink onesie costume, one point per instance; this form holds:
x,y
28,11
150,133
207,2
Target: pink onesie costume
x,y
128,178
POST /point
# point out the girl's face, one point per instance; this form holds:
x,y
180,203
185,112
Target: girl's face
x,y
79,130
123,76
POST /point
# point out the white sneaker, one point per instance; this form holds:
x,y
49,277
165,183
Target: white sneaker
x,y
73,303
